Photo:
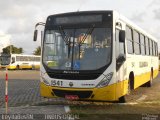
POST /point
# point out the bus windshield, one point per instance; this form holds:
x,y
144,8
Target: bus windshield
x,y
4,60
77,49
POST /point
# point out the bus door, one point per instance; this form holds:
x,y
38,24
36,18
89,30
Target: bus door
x,y
13,60
121,67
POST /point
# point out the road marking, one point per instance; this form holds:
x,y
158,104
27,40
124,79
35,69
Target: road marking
x,y
143,97
130,103
67,109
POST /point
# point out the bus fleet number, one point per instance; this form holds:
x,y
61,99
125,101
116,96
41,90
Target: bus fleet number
x,y
56,83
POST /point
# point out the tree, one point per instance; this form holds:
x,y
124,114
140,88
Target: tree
x,y
37,51
12,49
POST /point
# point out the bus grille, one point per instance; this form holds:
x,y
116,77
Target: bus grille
x,y
74,77
80,94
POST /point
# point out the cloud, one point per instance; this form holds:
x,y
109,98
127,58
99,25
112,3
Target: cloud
x,y
138,17
4,40
19,17
157,13
154,3
18,20
154,6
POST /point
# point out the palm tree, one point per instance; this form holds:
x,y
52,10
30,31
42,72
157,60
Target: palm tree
x,y
37,51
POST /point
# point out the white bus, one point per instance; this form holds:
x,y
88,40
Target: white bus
x,y
19,61
159,61
95,55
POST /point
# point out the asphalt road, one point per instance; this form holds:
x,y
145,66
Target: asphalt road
x,y
23,92
23,88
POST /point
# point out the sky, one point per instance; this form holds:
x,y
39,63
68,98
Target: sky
x,y
18,17
4,40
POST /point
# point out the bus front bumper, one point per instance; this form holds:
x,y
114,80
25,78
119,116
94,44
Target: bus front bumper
x,y
94,94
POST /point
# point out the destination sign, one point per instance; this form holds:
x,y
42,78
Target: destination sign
x,y
78,19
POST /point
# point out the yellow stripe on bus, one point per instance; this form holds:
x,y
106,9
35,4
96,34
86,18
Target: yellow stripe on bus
x,y
11,67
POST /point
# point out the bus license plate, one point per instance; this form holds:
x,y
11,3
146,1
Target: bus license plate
x,y
71,97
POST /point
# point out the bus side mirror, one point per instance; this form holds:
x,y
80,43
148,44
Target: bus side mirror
x,y
122,36
35,35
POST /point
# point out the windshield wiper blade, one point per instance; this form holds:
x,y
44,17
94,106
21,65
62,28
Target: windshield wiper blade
x,y
89,31
64,36
66,39
69,47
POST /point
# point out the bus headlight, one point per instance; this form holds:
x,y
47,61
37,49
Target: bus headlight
x,y
105,81
45,81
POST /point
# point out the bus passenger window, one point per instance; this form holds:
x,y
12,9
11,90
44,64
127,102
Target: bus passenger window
x,y
129,38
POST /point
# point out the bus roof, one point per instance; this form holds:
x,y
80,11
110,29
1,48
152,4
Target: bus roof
x,y
82,12
115,14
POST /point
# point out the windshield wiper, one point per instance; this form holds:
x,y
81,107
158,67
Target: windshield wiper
x,y
69,47
89,31
64,36
66,39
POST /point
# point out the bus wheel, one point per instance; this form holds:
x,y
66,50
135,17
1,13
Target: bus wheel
x,y
17,67
129,87
33,67
149,83
122,99
131,83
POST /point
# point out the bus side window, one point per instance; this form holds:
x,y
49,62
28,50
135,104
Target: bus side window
x,y
129,38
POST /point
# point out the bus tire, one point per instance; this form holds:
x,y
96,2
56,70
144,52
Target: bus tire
x,y
149,83
33,67
131,82
122,99
129,87
17,67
